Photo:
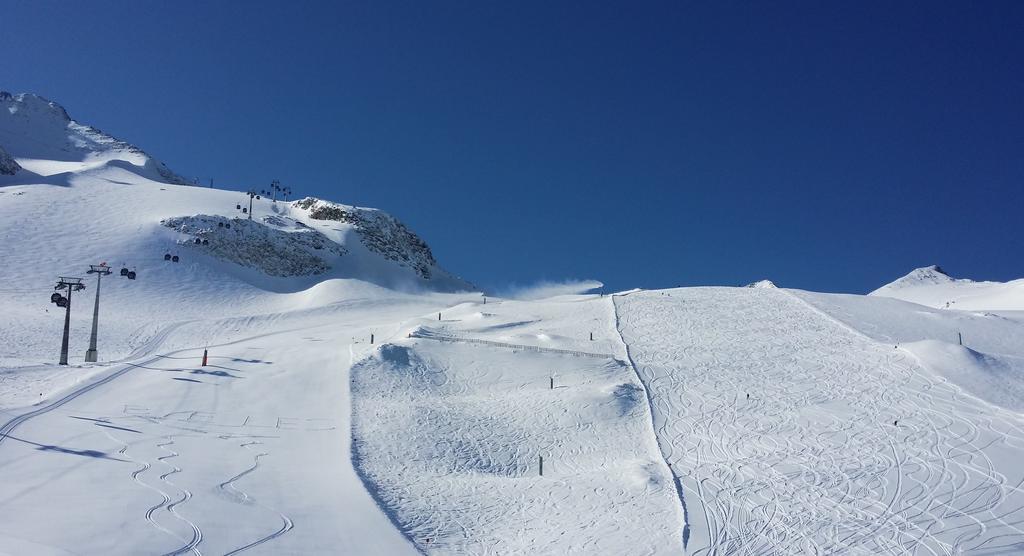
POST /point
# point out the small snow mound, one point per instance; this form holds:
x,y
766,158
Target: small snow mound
x,y
628,397
396,355
8,166
278,247
997,379
762,284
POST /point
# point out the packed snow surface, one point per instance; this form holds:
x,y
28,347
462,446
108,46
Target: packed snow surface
x,y
503,428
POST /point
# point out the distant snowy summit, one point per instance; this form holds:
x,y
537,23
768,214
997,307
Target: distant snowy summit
x,y
933,287
762,285
39,137
920,276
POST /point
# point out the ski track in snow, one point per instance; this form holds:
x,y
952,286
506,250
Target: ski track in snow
x,y
192,544
148,348
242,497
135,476
812,462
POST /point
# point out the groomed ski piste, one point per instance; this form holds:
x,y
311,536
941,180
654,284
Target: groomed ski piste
x,y
359,399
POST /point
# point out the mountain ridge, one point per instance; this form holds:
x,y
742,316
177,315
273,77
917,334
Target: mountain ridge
x,y
34,128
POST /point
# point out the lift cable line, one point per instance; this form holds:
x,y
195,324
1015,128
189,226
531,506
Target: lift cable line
x,y
71,285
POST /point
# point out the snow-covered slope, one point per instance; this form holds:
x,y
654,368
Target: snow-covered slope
x,y
110,205
451,425
932,287
356,400
794,433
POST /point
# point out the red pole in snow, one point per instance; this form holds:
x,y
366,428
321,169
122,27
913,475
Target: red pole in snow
x,y
205,353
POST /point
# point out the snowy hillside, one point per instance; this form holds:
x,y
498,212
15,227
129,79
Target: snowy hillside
x,y
107,206
932,287
305,378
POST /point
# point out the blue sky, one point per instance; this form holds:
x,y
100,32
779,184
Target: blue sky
x,y
825,146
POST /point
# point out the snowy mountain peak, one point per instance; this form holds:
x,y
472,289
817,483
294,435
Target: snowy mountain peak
x,y
933,287
762,284
926,275
44,140
29,105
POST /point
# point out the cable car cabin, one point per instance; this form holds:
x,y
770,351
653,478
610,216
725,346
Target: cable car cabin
x,y
124,272
206,242
54,297
228,226
245,211
174,258
238,206
220,224
167,257
131,275
199,241
62,302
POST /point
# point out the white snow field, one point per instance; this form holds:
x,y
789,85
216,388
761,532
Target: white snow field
x,y
874,425
846,444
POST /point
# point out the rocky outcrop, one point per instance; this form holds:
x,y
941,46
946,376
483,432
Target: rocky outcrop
x,y
380,232
8,166
277,246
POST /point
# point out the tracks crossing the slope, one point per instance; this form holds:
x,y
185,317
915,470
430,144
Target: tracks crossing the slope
x,y
7,428
812,461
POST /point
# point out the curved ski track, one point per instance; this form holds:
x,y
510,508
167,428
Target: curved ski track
x,y
243,497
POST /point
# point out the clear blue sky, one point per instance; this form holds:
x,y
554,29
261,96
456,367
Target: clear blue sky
x,y
824,145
